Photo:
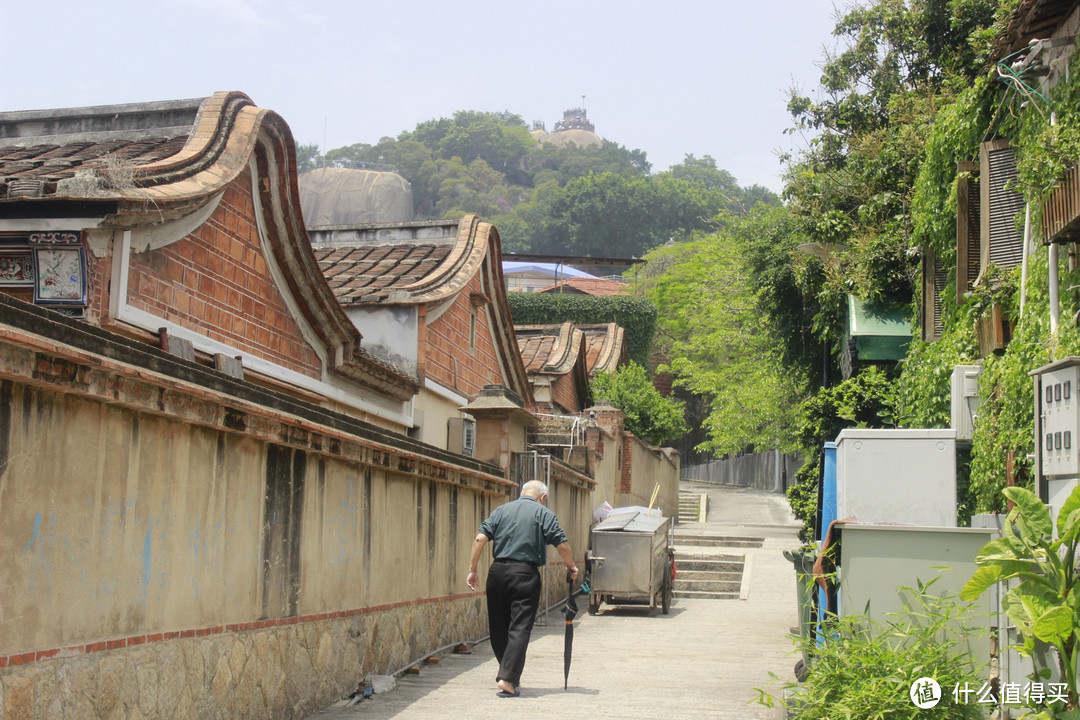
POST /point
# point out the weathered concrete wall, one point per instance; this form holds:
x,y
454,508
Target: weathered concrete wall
x,y
171,548
646,466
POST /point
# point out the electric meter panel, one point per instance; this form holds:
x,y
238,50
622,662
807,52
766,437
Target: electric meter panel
x,y
1057,403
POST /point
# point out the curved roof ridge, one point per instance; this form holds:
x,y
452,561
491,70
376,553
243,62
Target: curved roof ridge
x,y
451,275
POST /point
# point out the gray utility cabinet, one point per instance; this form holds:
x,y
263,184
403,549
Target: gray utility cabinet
x,y
901,476
876,561
630,561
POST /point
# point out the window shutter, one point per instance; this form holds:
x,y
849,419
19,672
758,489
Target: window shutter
x,y
934,278
1002,242
968,253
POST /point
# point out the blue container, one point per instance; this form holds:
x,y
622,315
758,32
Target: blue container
x,y
826,514
827,494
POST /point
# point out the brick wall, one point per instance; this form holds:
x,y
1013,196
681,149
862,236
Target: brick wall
x,y
216,281
563,393
446,353
98,275
626,465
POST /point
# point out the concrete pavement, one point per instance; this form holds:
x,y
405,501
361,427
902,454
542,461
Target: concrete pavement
x,y
703,660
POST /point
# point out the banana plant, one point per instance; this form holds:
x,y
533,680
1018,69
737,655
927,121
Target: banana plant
x,y
1045,602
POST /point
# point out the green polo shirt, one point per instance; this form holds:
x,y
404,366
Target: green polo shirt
x,y
521,530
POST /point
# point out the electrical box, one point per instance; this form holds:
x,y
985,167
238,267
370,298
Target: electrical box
x,y
461,436
1057,409
1057,416
965,400
897,476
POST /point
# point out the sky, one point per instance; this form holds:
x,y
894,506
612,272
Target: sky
x,y
704,77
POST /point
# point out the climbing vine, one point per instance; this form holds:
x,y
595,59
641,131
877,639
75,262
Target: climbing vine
x,y
1003,436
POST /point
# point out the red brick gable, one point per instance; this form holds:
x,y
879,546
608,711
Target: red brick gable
x,y
178,201
216,281
559,353
458,354
447,270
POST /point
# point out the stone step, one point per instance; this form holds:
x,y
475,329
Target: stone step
x,y
703,595
716,586
724,575
719,541
709,567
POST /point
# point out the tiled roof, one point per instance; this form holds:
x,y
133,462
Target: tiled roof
x,y
587,286
535,351
1031,20
548,349
368,274
49,164
110,144
605,347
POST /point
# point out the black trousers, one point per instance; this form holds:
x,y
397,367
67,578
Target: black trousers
x,y
513,597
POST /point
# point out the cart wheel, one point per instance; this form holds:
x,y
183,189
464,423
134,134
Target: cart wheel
x,y
594,604
666,590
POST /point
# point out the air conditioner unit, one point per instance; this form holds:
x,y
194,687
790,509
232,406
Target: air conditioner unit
x,y
965,400
461,436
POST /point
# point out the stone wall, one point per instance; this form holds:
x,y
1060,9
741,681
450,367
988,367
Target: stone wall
x,y
277,671
178,543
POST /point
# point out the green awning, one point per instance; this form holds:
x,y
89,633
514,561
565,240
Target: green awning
x,y
880,333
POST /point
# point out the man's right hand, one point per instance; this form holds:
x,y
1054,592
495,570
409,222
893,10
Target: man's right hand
x,y
472,580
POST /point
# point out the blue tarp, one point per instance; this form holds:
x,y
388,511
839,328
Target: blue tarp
x,y
553,270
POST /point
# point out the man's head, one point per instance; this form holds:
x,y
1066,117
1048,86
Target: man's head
x,y
535,489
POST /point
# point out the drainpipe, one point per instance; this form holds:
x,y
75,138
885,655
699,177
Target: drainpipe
x,y
1055,311
1024,264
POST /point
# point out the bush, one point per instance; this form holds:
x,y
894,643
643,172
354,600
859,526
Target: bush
x,y
866,669
649,414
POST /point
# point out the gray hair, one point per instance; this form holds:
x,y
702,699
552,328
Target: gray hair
x,y
534,488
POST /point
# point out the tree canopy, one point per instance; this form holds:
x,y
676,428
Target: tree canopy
x,y
597,200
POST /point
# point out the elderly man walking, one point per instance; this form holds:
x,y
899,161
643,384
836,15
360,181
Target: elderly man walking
x,y
520,532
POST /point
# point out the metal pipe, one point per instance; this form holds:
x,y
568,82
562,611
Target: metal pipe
x,y
1055,310
1024,264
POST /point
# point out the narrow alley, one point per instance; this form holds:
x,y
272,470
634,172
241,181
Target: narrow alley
x,y
702,660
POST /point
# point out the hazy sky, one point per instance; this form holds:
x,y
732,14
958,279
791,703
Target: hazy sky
x,y
707,77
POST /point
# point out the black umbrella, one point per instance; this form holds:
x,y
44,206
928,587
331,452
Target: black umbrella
x,y
569,613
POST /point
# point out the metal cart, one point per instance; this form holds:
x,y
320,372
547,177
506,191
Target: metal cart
x,y
631,561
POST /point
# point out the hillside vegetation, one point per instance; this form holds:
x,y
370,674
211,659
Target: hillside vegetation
x,y
602,201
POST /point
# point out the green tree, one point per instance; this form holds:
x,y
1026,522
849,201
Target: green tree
x,y
649,415
878,99
306,157
717,340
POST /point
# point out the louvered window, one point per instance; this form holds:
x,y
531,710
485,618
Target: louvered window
x,y
934,278
1002,242
968,255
